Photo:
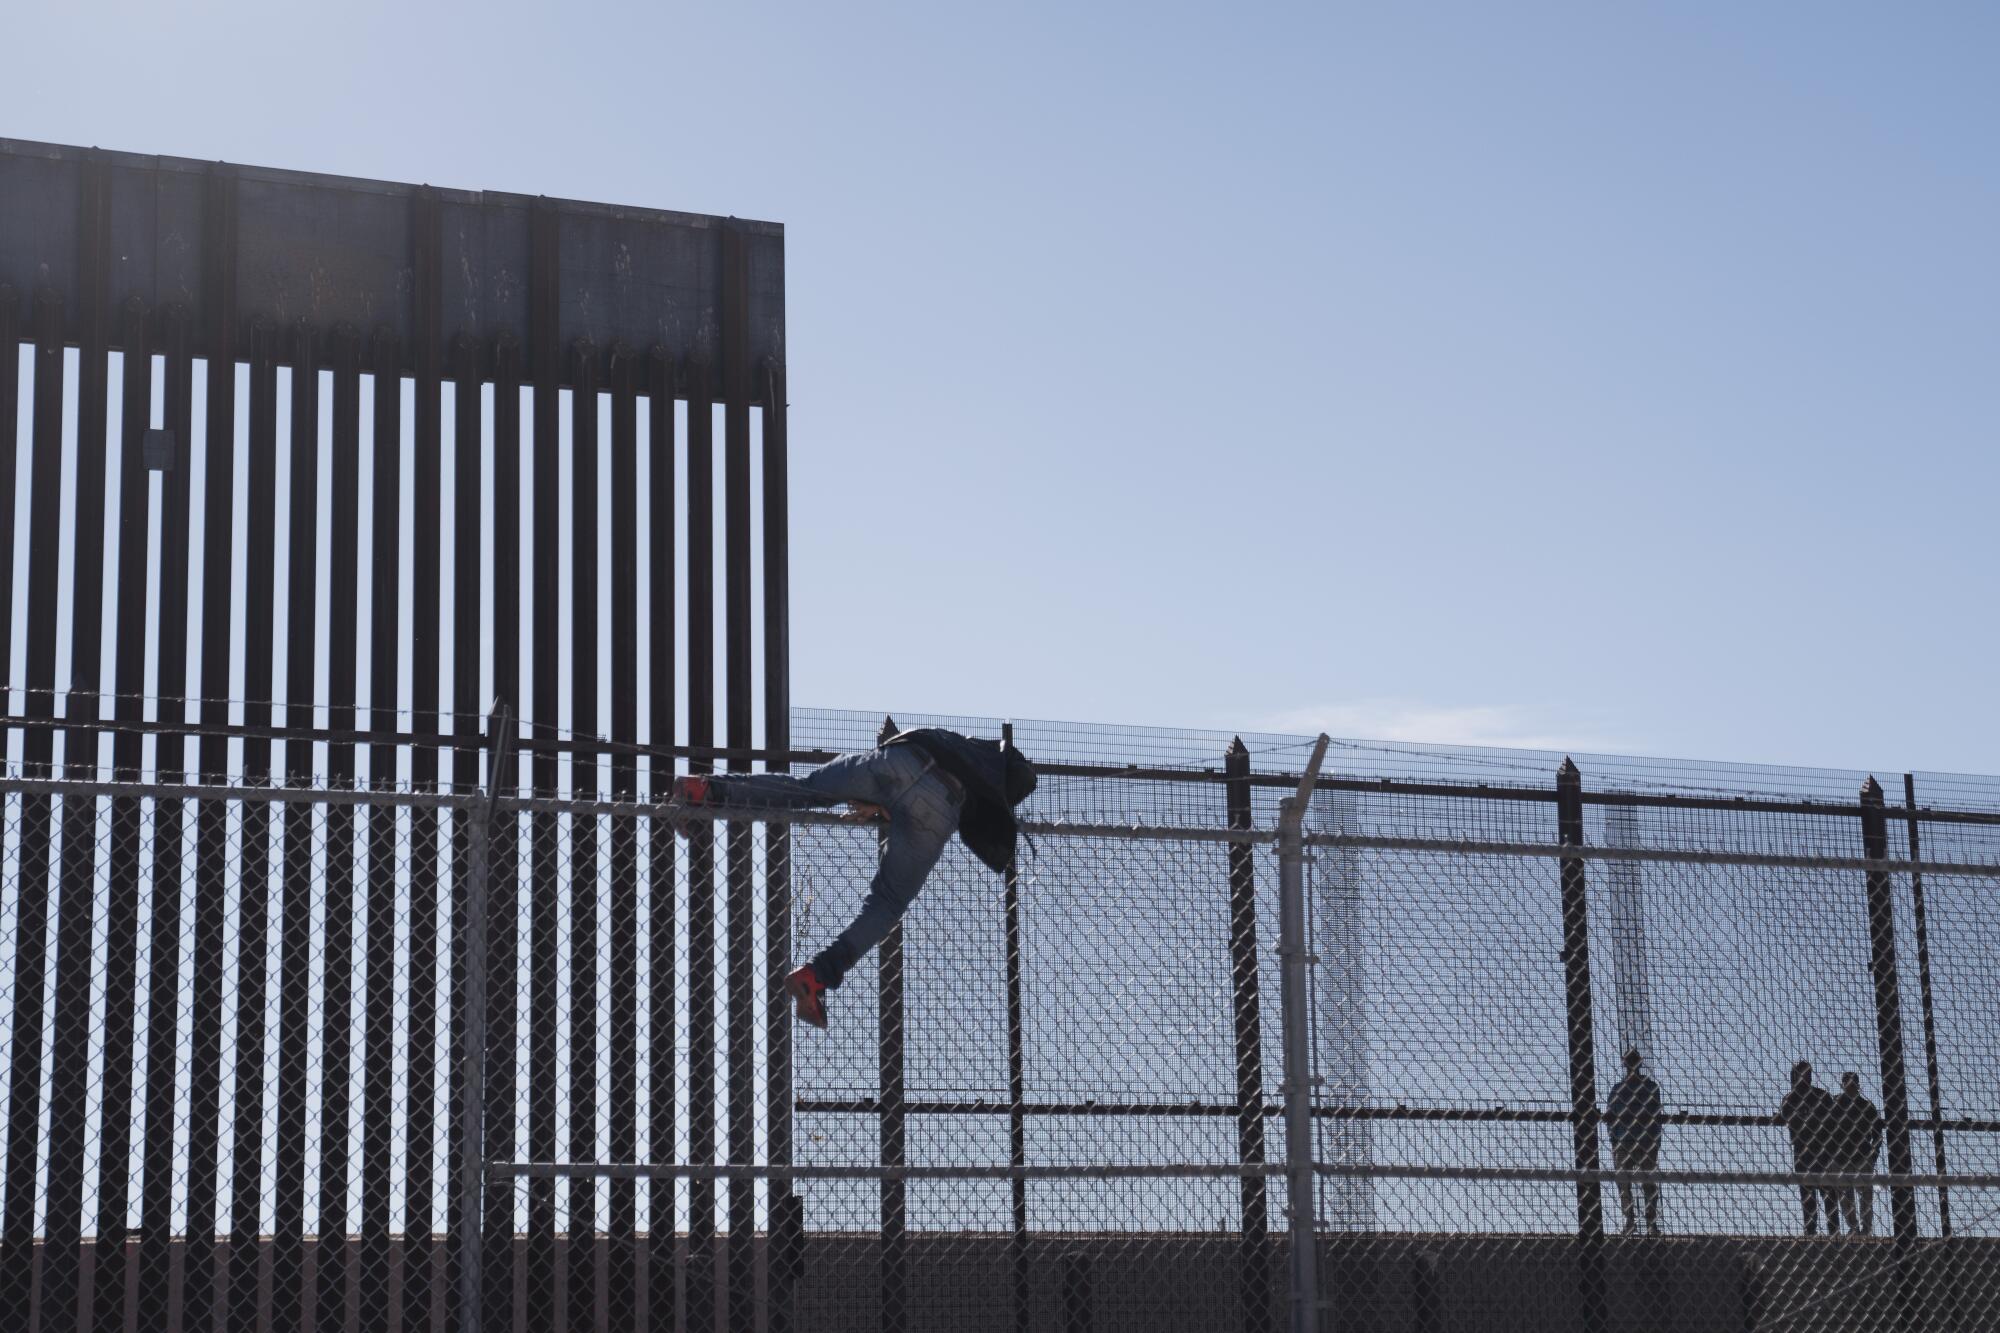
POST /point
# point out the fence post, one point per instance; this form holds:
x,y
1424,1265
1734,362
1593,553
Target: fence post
x,y
1582,1049
1017,1084
1932,1078
478,813
1254,1286
1294,947
889,1066
1889,1044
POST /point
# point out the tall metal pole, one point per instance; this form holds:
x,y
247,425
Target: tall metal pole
x,y
1253,1272
892,1125
1582,1050
1889,1043
1932,1079
472,1049
1017,1086
1294,955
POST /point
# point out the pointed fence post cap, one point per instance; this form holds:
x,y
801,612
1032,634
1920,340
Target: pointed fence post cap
x,y
1871,791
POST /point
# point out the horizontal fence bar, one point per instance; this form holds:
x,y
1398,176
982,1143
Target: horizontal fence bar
x,y
1411,1114
356,796
673,1171
1571,1176
444,739
1678,856
1175,1171
257,795
588,746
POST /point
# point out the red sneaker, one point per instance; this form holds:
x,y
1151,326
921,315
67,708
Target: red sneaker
x,y
685,792
803,985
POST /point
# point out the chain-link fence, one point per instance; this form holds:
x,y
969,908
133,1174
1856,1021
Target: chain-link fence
x,y
268,1052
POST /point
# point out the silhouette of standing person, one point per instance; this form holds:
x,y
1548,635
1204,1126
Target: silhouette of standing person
x,y
1860,1143
1808,1114
1632,1116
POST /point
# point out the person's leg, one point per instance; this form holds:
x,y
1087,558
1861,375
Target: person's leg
x,y
919,827
1829,1202
853,777
1620,1161
1808,1201
1867,1199
1649,1160
1850,1209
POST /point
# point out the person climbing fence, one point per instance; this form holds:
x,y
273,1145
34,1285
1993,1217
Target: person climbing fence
x,y
925,785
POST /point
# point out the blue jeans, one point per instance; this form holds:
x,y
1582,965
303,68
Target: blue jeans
x,y
923,814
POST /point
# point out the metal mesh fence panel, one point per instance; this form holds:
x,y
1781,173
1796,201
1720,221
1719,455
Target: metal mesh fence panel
x,y
1709,1131
297,1057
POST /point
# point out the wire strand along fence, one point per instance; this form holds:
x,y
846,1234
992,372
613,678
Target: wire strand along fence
x,y
309,1057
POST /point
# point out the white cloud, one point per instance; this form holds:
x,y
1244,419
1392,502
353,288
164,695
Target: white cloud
x,y
1504,726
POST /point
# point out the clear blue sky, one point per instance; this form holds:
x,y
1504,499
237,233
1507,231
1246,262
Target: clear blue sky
x,y
1556,373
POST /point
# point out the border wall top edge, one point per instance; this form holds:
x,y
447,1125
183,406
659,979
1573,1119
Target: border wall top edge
x,y
369,185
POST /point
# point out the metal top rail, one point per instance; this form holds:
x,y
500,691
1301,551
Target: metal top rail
x,y
403,798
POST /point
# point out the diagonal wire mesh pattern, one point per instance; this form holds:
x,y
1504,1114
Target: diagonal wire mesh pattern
x,y
317,1056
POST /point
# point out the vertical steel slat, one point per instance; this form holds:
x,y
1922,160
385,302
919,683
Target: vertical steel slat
x,y
467,442
343,625
75,966
1253,1266
10,407
892,1129
785,1224
426,560
121,935
301,859
1582,1051
31,961
384,858
544,297
662,917
502,948
16,1238
199,1276
583,870
16,1242
246,1196
735,310
169,820
701,845
44,528
619,1277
